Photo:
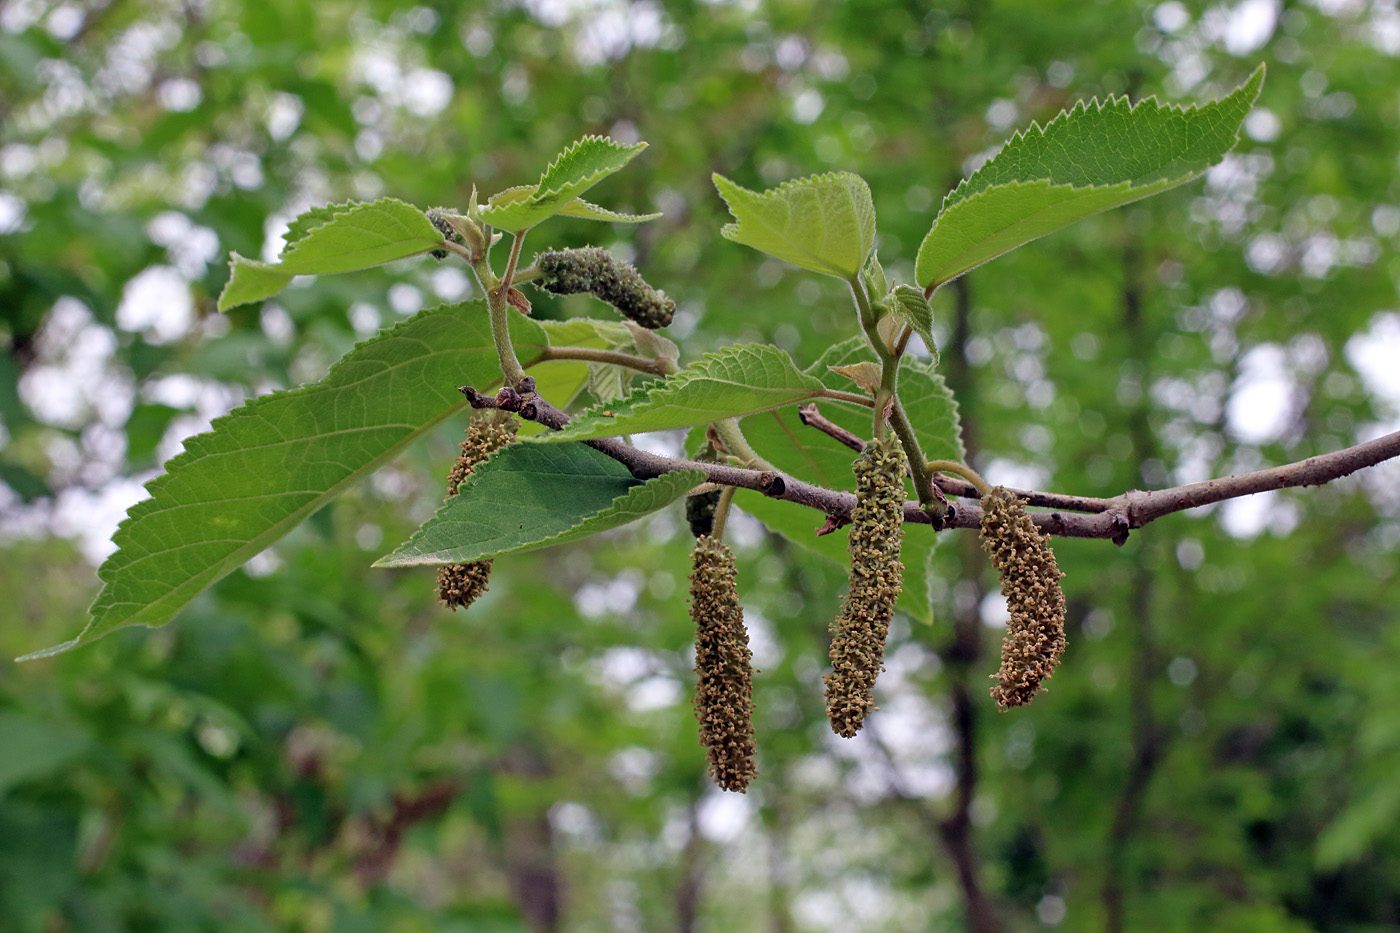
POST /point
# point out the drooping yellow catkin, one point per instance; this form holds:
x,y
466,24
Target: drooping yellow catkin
x,y
724,663
459,585
1030,581
859,632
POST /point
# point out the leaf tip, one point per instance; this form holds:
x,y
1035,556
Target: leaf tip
x,y
49,652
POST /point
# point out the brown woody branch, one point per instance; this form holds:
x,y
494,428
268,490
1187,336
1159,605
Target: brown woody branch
x,y
1116,517
811,416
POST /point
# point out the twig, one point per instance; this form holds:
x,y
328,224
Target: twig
x,y
1132,509
657,367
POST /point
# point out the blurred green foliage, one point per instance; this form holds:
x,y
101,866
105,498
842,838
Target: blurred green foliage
x,y
316,746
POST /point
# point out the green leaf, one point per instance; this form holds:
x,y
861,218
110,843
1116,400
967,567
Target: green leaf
x,y
361,236
1086,160
269,464
733,382
588,211
310,220
561,381
825,223
251,280
575,170
809,454
530,496
908,304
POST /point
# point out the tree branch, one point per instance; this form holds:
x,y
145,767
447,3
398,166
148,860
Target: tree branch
x,y
1132,509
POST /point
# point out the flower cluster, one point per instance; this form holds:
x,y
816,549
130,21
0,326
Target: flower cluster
x,y
1030,581
723,661
858,634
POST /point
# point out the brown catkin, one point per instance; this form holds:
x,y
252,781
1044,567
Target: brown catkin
x,y
459,585
724,663
1030,581
858,634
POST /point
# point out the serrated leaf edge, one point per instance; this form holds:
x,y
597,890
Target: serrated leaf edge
x,y
1082,106
692,478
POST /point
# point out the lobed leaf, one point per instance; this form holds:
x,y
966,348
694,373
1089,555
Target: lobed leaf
x,y
1091,158
361,236
268,465
731,383
530,496
825,223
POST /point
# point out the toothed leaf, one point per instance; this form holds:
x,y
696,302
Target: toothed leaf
x,y
575,170
268,465
582,208
1089,159
825,223
361,236
530,496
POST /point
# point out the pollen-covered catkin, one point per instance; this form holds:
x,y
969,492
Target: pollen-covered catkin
x,y
1030,581
858,634
594,270
459,585
724,663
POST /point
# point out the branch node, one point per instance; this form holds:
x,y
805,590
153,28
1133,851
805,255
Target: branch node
x,y
476,399
772,484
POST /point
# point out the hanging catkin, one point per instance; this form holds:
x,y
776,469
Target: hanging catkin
x,y
1030,581
858,634
594,270
459,585
724,665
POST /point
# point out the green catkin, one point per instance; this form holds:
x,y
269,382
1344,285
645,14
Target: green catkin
x,y
1030,581
724,665
594,270
858,634
459,585
446,229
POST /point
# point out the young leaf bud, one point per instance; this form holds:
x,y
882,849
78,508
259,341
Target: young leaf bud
x,y
595,270
1030,581
858,634
436,218
459,585
723,661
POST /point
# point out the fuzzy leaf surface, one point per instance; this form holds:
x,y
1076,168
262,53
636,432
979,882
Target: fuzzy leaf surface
x,y
358,237
1094,157
909,305
730,383
530,496
825,223
268,465
578,168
